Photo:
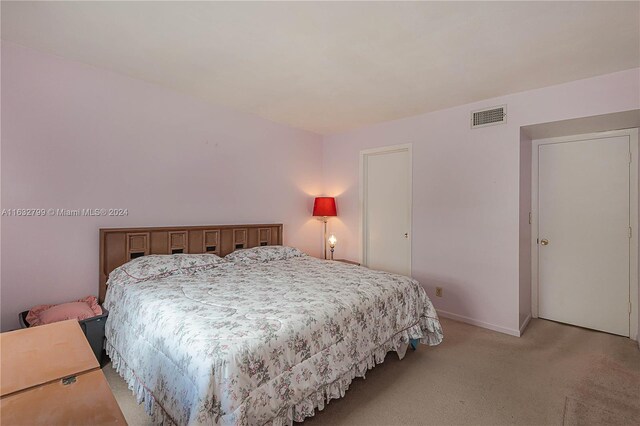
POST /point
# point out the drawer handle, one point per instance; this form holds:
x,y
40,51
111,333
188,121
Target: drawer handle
x,y
69,380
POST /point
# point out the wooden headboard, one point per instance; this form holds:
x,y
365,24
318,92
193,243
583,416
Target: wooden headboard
x,y
120,245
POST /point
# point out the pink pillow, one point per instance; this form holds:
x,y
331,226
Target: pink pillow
x,y
46,314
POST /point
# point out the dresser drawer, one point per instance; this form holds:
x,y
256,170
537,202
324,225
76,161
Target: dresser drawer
x,y
83,399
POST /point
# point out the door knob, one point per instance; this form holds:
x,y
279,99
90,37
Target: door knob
x,y
544,242
406,235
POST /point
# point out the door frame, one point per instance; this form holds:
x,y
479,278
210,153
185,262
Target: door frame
x,y
408,147
633,213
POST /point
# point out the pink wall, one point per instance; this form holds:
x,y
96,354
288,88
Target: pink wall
x,y
74,136
466,196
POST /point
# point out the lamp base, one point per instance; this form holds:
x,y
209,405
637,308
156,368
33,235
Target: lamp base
x,y
324,219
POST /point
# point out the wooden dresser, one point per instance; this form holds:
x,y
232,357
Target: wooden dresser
x,y
51,376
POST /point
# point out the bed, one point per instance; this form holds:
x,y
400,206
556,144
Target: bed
x,y
266,335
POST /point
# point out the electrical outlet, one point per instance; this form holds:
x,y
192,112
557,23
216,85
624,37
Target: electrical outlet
x,y
439,291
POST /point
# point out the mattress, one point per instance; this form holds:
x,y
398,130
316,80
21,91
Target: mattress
x,y
259,343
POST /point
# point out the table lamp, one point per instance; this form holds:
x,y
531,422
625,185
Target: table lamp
x,y
332,244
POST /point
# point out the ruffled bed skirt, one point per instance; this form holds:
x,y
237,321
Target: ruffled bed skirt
x,y
427,331
141,393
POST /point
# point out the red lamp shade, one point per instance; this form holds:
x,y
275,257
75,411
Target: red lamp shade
x,y
324,206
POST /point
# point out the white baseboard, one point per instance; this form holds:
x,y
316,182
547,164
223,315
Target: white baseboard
x,y
525,324
472,321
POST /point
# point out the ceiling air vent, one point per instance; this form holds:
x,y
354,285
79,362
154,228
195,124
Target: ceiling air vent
x,y
489,117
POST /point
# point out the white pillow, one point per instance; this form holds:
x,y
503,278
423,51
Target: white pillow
x,y
264,254
157,266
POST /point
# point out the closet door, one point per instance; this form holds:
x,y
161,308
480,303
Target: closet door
x,y
386,220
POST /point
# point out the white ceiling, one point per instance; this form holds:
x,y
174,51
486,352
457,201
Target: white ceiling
x,y
329,67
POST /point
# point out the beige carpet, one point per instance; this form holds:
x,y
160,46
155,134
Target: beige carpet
x,y
555,374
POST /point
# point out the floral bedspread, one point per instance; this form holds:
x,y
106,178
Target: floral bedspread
x,y
263,343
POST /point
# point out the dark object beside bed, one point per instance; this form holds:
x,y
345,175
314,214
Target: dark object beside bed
x,y
93,329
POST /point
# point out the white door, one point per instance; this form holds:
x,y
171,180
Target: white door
x,y
386,221
583,233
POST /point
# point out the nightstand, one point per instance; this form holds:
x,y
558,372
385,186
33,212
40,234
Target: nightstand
x,y
93,329
350,262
